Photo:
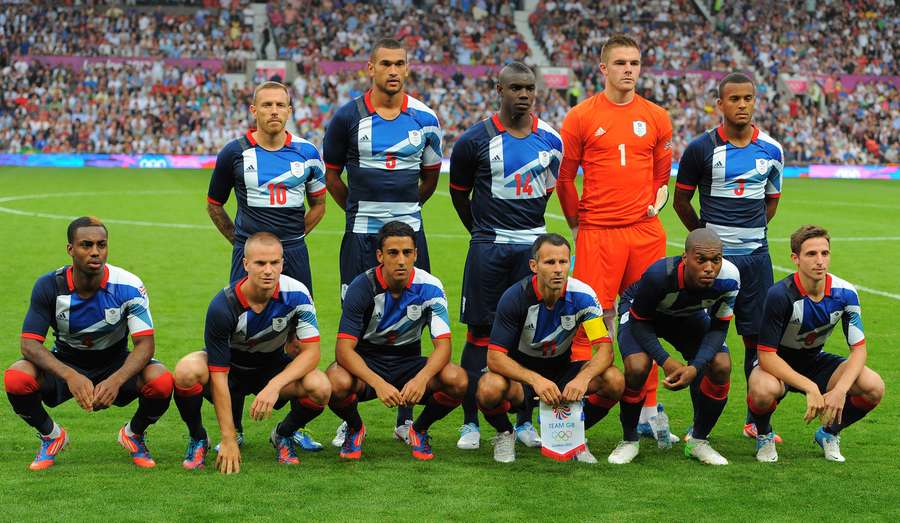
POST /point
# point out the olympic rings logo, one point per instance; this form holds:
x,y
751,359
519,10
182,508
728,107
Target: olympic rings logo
x,y
563,435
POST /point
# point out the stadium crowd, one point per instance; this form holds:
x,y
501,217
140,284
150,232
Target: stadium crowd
x,y
132,32
133,107
851,37
479,32
181,110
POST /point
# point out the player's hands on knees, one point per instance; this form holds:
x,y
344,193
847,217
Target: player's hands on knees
x,y
228,460
264,403
815,405
82,389
413,391
547,391
680,377
834,407
389,395
575,390
105,393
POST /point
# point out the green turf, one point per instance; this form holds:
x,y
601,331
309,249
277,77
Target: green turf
x,y
184,266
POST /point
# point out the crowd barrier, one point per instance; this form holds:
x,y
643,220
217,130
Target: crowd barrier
x,y
168,161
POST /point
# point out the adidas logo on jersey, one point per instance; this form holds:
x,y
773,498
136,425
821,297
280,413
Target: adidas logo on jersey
x,y
530,326
61,316
599,132
496,158
718,163
251,168
365,138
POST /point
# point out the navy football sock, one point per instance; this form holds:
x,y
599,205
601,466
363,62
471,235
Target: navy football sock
x,y
404,414
29,408
498,417
189,401
473,361
596,407
347,410
710,399
750,356
302,412
855,409
437,407
630,412
762,417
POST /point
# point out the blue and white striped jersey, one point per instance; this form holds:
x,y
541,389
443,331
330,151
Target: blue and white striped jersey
x,y
794,325
538,337
734,183
384,326
89,332
270,186
661,292
236,336
384,160
511,177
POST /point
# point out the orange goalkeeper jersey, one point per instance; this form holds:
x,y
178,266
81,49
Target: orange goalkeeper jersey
x,y
626,153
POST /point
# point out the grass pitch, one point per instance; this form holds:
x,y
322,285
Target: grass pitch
x,y
159,230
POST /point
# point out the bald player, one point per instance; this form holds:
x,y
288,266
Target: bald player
x,y
688,301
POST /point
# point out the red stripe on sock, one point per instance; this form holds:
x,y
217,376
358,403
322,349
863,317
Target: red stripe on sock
x,y
310,404
600,401
160,387
20,383
716,392
862,403
634,396
193,390
446,399
761,411
503,408
346,402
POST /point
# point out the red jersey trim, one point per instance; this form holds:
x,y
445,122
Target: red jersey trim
x,y
856,345
334,166
33,336
498,348
681,275
723,136
146,332
318,193
70,278
345,336
445,336
310,340
636,315
685,186
766,348
774,196
214,202
216,368
459,187
240,294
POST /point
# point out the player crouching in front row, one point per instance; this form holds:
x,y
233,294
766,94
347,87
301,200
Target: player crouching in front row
x,y
688,301
379,350
92,307
251,327
530,349
799,315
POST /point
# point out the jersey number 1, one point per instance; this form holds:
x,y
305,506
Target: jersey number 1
x,y
622,154
277,194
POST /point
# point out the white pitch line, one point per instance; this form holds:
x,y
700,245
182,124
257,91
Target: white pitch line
x,y
193,226
787,270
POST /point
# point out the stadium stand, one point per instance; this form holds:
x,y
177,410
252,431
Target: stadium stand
x,y
185,108
37,29
335,30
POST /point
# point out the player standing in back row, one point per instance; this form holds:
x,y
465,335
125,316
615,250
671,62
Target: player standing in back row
x,y
623,143
390,145
738,169
271,172
508,163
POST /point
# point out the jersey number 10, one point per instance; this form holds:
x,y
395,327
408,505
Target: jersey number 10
x,y
277,194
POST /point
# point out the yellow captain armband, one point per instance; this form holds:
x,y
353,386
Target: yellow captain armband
x,y
595,329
